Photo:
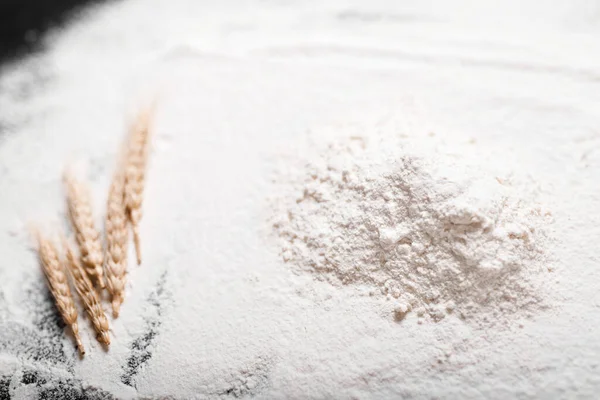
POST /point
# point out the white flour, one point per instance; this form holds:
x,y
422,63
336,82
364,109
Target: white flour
x,y
511,92
435,236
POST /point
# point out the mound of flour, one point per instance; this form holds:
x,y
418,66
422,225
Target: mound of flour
x,y
435,235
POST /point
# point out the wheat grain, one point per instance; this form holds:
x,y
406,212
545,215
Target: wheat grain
x,y
116,240
87,294
59,285
80,213
135,171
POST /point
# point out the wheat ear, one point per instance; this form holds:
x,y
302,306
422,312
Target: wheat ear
x,y
135,171
80,213
59,285
87,294
116,240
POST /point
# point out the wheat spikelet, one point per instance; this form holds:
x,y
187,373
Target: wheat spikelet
x,y
116,240
88,295
59,285
80,213
135,170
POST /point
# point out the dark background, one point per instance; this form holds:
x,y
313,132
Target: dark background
x,y
23,23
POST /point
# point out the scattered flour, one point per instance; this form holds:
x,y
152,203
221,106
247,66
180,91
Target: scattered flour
x,y
435,236
215,313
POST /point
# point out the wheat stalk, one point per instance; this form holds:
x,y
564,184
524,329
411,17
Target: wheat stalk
x,y
80,213
116,240
59,285
88,295
135,171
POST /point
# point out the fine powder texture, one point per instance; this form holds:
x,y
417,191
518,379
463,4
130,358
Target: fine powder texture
x,y
510,91
435,237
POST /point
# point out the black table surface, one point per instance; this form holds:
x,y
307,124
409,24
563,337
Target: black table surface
x,y
23,23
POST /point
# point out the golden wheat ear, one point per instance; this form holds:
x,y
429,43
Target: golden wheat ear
x,y
58,283
80,213
87,294
135,171
116,239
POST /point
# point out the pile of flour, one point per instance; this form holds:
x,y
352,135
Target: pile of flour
x,y
434,234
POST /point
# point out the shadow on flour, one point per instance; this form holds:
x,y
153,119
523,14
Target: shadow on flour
x,y
47,385
141,348
4,387
46,369
42,339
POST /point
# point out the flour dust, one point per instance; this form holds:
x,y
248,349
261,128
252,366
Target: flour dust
x,y
400,215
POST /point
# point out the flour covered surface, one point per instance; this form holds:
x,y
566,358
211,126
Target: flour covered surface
x,y
349,200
